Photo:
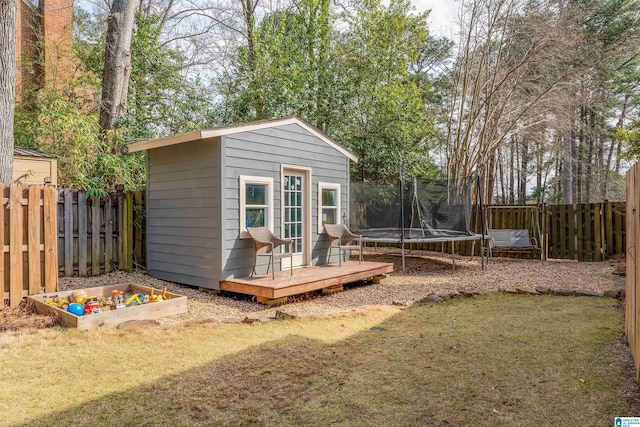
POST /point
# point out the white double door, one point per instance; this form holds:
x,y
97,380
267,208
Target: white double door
x,y
295,218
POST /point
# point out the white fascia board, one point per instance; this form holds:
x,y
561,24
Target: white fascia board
x,y
230,130
165,141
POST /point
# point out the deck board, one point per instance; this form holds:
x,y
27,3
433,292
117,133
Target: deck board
x,y
305,279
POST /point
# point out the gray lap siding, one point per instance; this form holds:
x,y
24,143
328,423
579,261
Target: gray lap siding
x,y
183,213
262,153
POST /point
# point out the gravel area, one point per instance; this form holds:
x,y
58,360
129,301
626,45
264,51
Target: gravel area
x,y
426,274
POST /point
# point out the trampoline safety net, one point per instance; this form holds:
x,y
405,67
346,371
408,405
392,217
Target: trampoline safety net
x,y
432,209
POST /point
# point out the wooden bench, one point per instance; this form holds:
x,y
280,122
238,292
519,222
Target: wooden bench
x,y
512,240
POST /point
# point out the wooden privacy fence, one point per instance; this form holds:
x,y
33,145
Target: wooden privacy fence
x,y
632,296
583,232
98,234
28,236
586,232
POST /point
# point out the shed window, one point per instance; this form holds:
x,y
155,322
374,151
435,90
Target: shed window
x,y
328,204
256,203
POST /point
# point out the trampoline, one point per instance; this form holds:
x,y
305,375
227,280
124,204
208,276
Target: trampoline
x,y
419,211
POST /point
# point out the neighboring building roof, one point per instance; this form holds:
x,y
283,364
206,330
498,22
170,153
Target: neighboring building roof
x,y
231,129
30,152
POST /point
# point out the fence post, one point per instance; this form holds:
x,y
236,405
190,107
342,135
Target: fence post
x,y
125,242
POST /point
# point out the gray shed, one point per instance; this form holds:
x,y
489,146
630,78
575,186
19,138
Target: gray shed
x,y
205,187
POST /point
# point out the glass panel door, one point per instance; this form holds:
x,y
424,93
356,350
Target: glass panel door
x,y
294,218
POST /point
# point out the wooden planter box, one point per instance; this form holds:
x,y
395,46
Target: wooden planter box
x,y
177,304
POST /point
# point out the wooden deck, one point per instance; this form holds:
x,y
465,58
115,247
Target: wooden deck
x,y
305,279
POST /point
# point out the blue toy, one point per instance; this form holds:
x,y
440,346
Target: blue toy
x,y
76,309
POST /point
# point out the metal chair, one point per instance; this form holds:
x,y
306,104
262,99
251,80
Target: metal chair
x,y
265,243
341,238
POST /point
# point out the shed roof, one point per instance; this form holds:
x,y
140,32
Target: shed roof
x,y
242,127
30,152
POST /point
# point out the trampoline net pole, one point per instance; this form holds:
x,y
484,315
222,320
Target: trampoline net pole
x,y
402,224
479,190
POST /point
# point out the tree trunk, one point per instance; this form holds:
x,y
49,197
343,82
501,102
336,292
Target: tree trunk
x,y
248,13
567,169
490,180
524,166
512,166
117,62
8,23
539,186
616,144
590,136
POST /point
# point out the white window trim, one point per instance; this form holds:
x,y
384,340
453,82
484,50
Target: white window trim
x,y
329,186
244,180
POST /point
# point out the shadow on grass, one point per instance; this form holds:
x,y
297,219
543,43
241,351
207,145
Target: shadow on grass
x,y
495,360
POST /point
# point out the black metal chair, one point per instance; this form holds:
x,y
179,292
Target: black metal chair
x,y
265,243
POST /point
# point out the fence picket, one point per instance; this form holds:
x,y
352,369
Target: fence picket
x,y
82,233
108,235
68,232
50,204
608,230
138,211
33,237
16,281
95,236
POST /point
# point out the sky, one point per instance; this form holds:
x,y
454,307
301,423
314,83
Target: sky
x,y
443,15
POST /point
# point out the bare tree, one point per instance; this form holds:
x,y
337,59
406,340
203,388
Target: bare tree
x,y
506,67
8,23
117,62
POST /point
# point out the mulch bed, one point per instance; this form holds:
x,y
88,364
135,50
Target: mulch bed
x,y
23,317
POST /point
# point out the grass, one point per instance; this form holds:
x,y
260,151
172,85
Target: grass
x,y
492,360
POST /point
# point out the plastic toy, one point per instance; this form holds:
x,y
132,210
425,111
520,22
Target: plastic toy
x,y
75,308
135,299
91,305
153,297
54,300
117,299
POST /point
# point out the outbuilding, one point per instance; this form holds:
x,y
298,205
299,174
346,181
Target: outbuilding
x,y
205,187
34,167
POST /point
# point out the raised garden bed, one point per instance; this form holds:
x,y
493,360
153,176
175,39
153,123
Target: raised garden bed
x,y
175,304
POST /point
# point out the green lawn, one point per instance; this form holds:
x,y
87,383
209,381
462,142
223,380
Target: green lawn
x,y
491,360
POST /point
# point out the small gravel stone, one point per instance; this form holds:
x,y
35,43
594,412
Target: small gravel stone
x,y
426,273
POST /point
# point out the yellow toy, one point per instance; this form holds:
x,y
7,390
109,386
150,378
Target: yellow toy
x,y
155,298
135,299
54,300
